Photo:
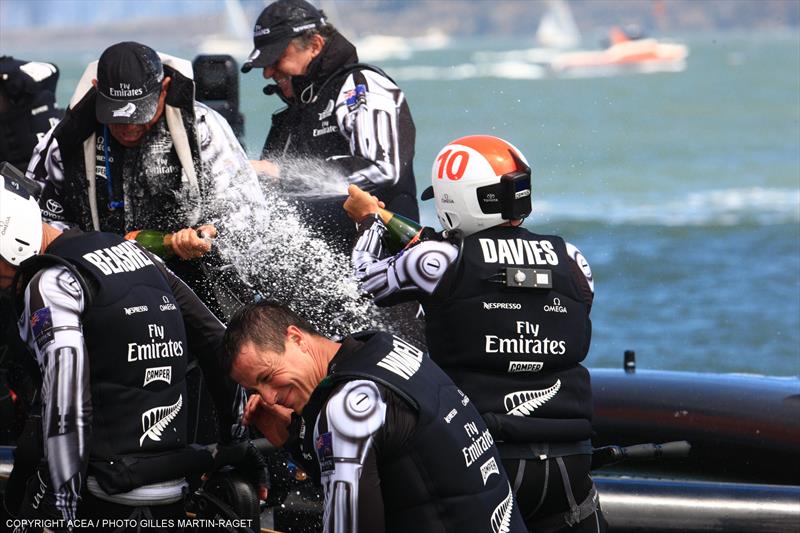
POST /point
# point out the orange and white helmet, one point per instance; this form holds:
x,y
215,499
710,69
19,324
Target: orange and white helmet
x,y
478,182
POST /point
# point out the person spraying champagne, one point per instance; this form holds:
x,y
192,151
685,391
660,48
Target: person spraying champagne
x,y
402,231
161,243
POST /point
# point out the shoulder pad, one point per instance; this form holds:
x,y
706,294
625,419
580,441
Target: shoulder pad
x,y
357,410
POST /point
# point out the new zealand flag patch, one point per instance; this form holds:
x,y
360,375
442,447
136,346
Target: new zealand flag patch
x,y
42,327
324,447
356,97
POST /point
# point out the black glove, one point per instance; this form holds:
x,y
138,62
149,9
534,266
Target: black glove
x,y
246,459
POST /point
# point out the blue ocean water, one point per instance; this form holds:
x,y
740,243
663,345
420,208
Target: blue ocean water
x,y
682,189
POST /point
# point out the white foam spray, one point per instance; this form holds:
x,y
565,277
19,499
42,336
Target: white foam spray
x,y
263,237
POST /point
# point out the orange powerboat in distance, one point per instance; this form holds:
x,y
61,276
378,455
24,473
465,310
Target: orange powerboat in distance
x,y
623,55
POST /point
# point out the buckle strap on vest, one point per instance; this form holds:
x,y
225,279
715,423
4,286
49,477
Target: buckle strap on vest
x,y
577,512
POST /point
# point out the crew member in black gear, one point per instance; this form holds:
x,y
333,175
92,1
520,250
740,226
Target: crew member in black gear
x,y
394,443
111,329
507,317
159,160
27,107
28,110
341,118
162,160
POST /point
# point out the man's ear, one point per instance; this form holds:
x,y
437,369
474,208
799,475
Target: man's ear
x,y
296,335
317,44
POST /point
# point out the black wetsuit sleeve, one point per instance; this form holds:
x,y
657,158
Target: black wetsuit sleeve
x,y
389,442
581,273
582,283
204,334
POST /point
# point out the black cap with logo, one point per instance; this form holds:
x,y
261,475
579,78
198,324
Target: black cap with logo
x,y
129,77
277,25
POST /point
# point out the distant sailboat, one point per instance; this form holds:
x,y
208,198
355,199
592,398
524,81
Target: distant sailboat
x,y
557,28
556,33
235,40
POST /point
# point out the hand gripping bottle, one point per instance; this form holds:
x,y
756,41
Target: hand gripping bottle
x,y
158,242
402,232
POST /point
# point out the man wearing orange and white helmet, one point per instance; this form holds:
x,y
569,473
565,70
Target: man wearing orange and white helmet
x,y
507,316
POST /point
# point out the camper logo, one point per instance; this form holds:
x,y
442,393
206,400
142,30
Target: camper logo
x,y
488,468
158,373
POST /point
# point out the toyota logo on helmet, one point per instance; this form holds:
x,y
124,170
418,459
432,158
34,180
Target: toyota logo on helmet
x,y
479,181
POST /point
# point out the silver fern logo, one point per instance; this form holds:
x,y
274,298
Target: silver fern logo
x,y
523,403
501,516
156,420
327,112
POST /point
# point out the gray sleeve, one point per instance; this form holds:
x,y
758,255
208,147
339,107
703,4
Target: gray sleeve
x,y
229,181
368,112
581,273
413,272
51,326
344,442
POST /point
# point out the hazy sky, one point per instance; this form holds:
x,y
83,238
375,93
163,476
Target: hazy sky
x,y
52,13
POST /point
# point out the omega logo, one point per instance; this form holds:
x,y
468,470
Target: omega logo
x,y
556,307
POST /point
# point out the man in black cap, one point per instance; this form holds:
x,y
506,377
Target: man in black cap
x,y
153,143
346,115
136,151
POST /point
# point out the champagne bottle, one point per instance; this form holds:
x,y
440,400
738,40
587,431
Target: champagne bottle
x,y
402,232
158,242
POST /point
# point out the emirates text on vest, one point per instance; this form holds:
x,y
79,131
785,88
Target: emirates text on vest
x,y
157,348
523,345
124,257
404,359
481,443
518,252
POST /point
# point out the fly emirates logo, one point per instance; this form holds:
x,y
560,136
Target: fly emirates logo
x,y
523,343
518,252
159,347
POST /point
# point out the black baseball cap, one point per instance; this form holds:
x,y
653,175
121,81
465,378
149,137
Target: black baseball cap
x,y
277,25
129,79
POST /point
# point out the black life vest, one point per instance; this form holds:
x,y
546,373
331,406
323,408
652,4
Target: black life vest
x,y
30,109
515,351
450,458
137,348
